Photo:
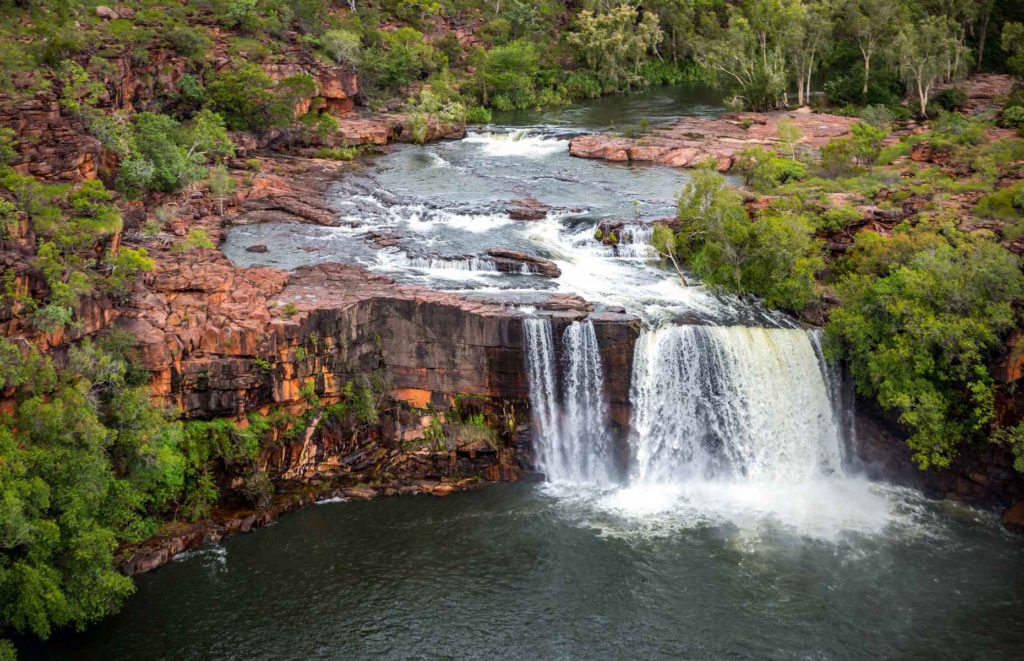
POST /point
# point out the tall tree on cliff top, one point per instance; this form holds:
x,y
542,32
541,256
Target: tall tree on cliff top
x,y
872,24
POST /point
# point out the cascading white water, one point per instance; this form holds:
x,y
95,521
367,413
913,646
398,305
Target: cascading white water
x,y
749,403
540,363
571,435
635,242
585,454
402,260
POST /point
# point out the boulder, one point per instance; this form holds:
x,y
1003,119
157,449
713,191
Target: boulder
x,y
259,247
527,209
106,13
514,261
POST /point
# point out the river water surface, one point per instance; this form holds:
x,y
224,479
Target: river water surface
x,y
741,528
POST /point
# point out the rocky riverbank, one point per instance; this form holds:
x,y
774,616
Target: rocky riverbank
x,y
693,140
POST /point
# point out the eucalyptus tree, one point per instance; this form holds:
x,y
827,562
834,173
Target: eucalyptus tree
x,y
871,24
924,50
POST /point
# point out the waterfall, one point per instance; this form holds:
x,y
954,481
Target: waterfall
x,y
571,435
750,403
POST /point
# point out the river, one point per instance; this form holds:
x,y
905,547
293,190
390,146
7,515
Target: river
x,y
741,528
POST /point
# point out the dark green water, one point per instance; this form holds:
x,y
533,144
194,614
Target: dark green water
x,y
512,572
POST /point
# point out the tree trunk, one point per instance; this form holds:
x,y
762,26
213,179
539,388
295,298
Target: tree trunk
x,y
800,89
867,74
984,32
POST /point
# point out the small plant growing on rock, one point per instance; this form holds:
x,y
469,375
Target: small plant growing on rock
x,y
197,239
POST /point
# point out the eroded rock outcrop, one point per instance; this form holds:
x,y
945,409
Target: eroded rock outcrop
x,y
693,140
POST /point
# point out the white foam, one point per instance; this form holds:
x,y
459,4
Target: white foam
x,y
522,143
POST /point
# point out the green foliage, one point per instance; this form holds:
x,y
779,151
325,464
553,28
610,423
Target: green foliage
x,y
84,464
1002,204
614,43
1013,117
951,99
1012,42
763,170
478,115
242,96
866,143
125,267
157,138
338,153
916,332
402,57
837,157
774,257
197,239
342,46
507,72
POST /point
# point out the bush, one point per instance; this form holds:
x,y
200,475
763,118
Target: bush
x,y
950,99
157,139
1002,204
343,46
478,115
241,96
774,257
338,153
190,42
837,157
763,170
1013,117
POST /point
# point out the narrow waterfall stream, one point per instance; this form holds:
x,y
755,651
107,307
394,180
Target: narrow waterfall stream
x,y
571,435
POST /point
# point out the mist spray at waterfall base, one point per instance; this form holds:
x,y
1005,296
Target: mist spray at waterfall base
x,y
732,426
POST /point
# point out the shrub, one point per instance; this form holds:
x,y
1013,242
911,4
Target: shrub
x,y
478,115
951,99
337,153
157,138
242,97
1003,204
763,170
343,46
775,257
197,239
191,42
837,157
1013,117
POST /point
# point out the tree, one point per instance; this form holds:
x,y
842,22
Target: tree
x,y
613,43
508,71
745,60
924,51
917,329
221,185
872,24
85,461
157,137
1012,42
207,135
867,143
241,96
808,38
774,257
